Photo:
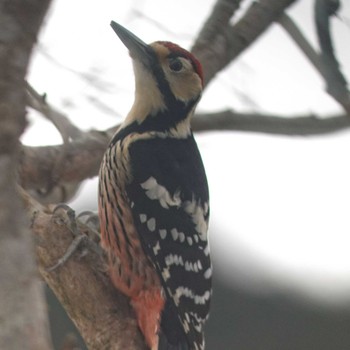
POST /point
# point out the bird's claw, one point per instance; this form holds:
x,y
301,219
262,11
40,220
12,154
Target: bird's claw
x,y
79,238
91,221
77,241
70,217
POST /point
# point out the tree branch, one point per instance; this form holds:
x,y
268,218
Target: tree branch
x,y
83,157
326,64
272,124
210,44
336,82
219,43
55,191
304,45
101,313
81,160
65,127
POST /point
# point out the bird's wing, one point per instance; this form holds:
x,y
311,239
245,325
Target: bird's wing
x,y
169,200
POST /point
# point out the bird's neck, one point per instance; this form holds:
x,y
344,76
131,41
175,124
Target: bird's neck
x,y
166,120
158,110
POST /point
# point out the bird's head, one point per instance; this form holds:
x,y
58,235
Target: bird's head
x,y
168,79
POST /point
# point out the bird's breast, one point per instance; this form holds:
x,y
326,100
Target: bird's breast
x,y
130,269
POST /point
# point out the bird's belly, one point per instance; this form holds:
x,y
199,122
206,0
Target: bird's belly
x,y
130,270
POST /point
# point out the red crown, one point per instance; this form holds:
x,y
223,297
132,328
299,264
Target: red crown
x,y
184,53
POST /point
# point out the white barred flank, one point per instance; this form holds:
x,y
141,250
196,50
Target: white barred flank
x,y
183,291
174,259
194,208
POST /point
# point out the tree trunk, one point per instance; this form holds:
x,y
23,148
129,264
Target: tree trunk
x,y
23,319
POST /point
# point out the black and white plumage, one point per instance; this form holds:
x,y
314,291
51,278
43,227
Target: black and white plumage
x,y
154,199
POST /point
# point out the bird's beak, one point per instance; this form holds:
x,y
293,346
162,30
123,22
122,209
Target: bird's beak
x,y
138,49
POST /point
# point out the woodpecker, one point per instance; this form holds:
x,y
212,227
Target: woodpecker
x,y
154,199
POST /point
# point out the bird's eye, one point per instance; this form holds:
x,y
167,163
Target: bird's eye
x,y
175,65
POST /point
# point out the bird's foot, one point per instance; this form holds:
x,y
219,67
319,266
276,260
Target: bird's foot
x,y
84,233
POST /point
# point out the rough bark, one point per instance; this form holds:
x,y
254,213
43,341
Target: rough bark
x,y
23,319
101,314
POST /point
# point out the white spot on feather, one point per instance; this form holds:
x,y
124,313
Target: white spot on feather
x,y
208,273
189,293
156,248
151,224
198,213
143,218
162,233
175,234
155,191
165,274
181,237
174,259
188,266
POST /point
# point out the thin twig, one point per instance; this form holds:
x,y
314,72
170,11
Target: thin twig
x,y
65,127
336,86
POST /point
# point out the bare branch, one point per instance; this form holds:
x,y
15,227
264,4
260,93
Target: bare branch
x,y
83,157
304,45
211,43
55,191
272,124
65,127
336,85
82,161
336,82
219,43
